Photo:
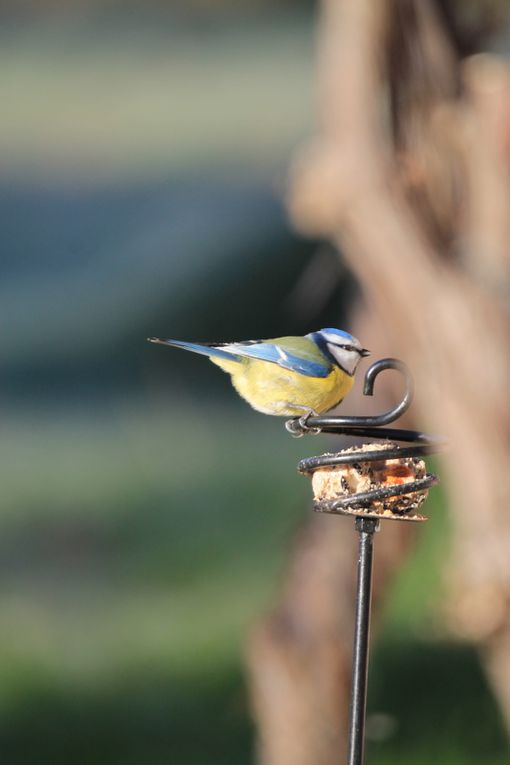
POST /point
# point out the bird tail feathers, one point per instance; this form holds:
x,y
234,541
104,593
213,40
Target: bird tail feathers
x,y
205,350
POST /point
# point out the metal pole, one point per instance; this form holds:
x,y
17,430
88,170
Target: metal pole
x,y
366,528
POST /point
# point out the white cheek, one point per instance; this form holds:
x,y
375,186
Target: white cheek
x,y
348,360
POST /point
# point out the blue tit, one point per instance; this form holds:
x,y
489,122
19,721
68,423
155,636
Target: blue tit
x,y
287,376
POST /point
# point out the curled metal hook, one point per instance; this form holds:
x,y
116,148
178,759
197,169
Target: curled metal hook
x,y
364,425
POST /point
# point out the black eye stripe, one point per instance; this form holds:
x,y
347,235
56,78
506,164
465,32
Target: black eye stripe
x,y
344,347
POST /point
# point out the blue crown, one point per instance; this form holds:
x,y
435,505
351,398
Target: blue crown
x,y
339,332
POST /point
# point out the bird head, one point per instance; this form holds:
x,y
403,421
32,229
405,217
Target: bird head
x,y
344,349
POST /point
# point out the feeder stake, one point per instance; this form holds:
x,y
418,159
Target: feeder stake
x,y
366,528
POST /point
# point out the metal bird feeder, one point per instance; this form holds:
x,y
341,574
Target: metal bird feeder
x,y
373,482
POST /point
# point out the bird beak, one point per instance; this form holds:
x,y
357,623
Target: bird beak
x,y
155,340
364,352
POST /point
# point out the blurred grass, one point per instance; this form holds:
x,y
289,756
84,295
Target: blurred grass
x,y
132,510
130,570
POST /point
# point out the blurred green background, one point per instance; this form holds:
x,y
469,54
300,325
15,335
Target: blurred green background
x,y
147,512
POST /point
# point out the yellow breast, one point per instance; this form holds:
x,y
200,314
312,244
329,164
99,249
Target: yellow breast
x,y
271,389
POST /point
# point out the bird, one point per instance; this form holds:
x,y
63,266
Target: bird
x,y
287,376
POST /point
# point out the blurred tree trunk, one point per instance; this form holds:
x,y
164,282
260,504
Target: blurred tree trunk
x,y
410,177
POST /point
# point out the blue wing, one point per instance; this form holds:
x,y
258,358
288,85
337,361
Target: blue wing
x,y
277,354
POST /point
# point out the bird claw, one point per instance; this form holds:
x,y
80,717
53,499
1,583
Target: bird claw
x,y
294,428
299,426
